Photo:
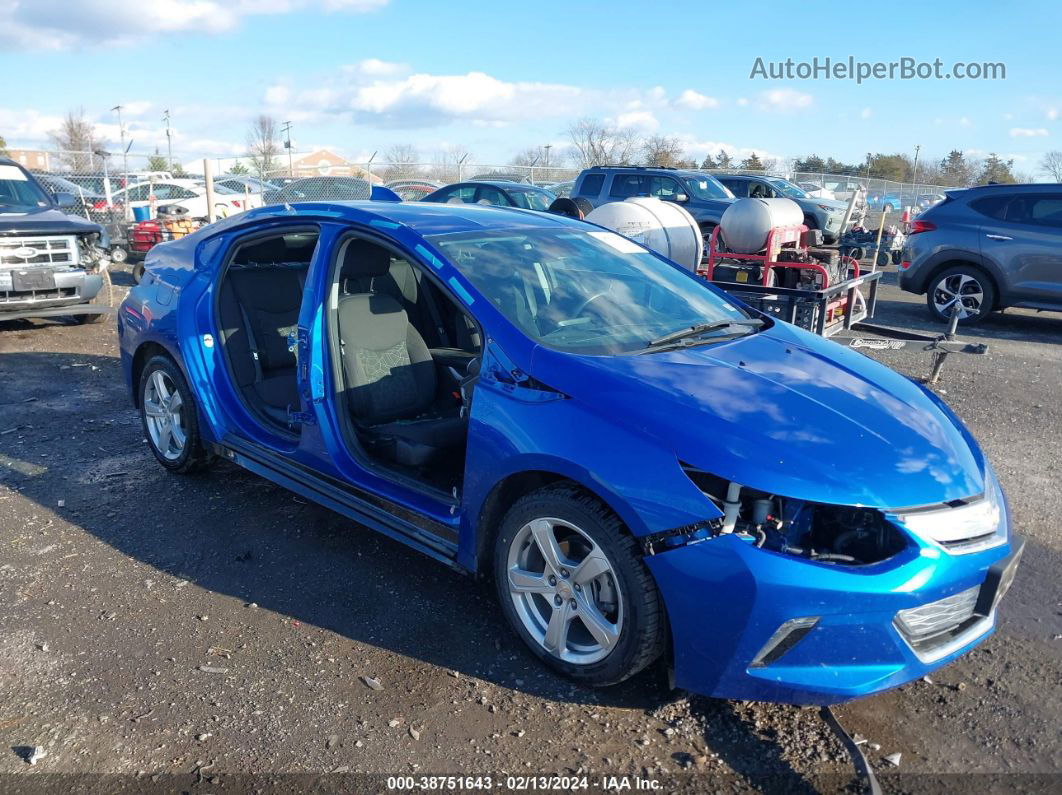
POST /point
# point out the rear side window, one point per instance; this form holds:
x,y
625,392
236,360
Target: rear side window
x,y
591,185
1041,210
624,185
992,206
738,187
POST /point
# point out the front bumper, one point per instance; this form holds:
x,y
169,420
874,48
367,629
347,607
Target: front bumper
x,y
726,599
66,287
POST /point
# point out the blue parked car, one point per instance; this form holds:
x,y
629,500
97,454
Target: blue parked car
x,y
645,467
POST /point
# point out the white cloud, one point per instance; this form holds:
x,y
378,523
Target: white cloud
x,y
641,120
965,122
374,67
694,100
784,100
1052,113
866,113
277,95
61,24
742,101
1028,132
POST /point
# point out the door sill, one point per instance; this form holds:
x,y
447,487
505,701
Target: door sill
x,y
435,540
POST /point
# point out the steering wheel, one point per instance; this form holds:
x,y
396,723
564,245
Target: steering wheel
x,y
587,302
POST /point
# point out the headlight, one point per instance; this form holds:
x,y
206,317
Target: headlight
x,y
971,526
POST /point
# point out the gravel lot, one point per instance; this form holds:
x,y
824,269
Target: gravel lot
x,y
189,632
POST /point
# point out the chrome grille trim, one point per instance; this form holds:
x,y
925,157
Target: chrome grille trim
x,y
39,251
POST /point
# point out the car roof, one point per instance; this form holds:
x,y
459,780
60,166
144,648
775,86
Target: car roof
x,y
1017,186
422,217
502,183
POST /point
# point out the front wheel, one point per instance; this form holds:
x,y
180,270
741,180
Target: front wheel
x,y
962,288
572,584
170,419
104,298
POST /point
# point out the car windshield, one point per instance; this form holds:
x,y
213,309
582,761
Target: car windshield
x,y
223,189
705,186
532,199
591,292
18,191
787,188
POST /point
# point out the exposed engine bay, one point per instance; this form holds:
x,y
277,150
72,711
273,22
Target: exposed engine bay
x,y
838,534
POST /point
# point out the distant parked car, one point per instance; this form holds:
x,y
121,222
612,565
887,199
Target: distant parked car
x,y
927,200
815,191
884,201
703,195
88,202
824,214
188,193
411,190
560,189
314,189
987,248
241,183
499,193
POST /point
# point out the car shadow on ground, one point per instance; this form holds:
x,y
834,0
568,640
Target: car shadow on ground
x,y
1017,325
237,534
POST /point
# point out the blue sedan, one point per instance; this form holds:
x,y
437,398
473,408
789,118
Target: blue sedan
x,y
647,469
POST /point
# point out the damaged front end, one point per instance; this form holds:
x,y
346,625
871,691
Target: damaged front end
x,y
782,599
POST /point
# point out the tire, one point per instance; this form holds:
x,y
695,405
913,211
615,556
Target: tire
x,y
883,259
856,252
192,455
974,288
620,599
897,256
138,271
706,235
118,254
104,297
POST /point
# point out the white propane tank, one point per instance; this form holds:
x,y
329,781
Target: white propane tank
x,y
664,227
746,223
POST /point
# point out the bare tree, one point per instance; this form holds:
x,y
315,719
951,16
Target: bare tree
x,y
1051,164
76,141
402,160
596,143
263,148
663,151
448,165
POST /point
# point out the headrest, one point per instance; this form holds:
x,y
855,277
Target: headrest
x,y
266,251
364,259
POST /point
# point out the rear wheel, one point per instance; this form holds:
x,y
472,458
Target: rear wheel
x,y
138,271
572,584
104,298
963,287
170,418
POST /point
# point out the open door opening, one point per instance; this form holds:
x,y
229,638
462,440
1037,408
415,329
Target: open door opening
x,y
259,299
407,357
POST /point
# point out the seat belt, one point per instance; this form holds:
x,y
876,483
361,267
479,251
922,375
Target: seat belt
x,y
251,343
433,310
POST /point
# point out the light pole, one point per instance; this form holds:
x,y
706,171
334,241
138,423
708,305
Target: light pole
x,y
125,159
914,174
547,147
169,141
287,145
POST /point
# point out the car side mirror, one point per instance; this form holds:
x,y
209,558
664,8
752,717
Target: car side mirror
x,y
681,198
64,201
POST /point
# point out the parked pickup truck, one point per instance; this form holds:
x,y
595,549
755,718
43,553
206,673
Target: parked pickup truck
x,y
51,264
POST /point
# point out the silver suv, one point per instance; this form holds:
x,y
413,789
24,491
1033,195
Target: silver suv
x,y
987,248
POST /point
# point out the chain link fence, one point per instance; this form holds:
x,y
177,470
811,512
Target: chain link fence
x,y
120,190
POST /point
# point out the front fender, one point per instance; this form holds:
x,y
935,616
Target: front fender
x,y
515,429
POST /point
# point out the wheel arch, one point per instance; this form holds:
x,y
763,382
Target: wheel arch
x,y
506,492
144,353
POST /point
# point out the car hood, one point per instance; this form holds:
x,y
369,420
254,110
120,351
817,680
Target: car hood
x,y
833,204
786,412
43,221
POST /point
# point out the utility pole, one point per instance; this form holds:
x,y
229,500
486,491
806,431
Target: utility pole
x,y
125,159
169,141
287,145
914,173
547,147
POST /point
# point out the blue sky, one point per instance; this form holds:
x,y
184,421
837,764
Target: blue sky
x,y
498,77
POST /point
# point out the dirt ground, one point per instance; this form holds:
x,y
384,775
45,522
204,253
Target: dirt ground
x,y
211,633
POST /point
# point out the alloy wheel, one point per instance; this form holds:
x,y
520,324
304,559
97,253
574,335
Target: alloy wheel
x,y
565,591
163,412
959,289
